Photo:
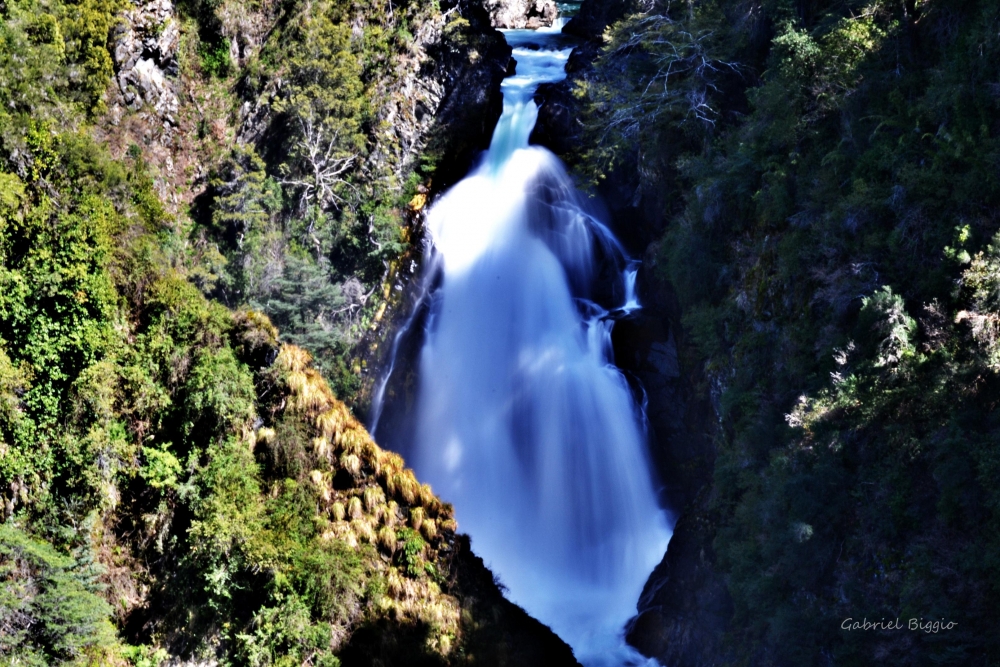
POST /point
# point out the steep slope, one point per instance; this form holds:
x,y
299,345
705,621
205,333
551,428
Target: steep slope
x,y
296,135
178,485
816,187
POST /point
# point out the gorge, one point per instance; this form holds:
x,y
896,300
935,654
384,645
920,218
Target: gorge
x,y
734,259
521,419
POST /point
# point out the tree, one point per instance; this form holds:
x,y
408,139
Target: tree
x,y
324,103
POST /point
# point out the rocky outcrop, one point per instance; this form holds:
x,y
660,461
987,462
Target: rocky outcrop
x,y
685,605
440,104
444,109
448,99
244,26
494,631
530,14
145,55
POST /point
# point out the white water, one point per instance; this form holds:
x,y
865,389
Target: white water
x,y
523,422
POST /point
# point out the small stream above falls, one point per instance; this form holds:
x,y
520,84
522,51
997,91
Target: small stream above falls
x,y
520,418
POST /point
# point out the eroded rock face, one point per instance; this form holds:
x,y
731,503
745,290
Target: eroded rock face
x,y
145,54
442,100
530,14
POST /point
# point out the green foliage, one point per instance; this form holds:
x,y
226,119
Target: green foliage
x,y
143,428
412,551
883,318
285,636
215,59
325,104
122,398
87,28
981,283
830,255
308,305
228,514
144,656
330,575
53,55
322,199
161,469
59,311
49,606
654,86
219,394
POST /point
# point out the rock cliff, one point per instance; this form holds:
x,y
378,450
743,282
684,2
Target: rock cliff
x,y
145,56
530,14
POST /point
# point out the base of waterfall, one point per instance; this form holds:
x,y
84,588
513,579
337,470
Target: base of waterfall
x,y
523,422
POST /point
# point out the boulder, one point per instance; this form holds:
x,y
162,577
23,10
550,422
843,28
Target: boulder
x,y
530,14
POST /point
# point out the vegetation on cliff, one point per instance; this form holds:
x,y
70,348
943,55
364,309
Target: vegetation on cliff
x,y
827,180
336,106
177,483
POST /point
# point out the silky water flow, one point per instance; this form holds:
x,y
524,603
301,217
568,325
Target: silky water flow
x,y
522,420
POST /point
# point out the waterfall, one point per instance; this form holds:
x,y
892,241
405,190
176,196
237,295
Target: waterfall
x,y
522,420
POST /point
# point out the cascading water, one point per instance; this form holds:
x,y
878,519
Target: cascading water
x,y
522,421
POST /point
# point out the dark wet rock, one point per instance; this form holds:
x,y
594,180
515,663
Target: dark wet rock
x,y
468,67
685,605
496,632
459,83
558,127
596,15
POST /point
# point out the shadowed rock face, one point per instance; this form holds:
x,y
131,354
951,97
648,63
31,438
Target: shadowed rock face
x,y
596,15
458,87
530,14
685,606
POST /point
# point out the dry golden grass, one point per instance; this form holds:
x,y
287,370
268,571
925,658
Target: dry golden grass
x,y
427,498
308,391
402,485
417,516
387,539
363,530
265,435
392,463
321,447
321,481
385,496
391,516
351,463
374,498
354,509
331,422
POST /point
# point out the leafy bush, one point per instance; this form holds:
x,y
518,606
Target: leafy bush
x,y
830,248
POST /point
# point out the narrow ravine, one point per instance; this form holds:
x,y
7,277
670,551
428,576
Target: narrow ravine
x,y
522,421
